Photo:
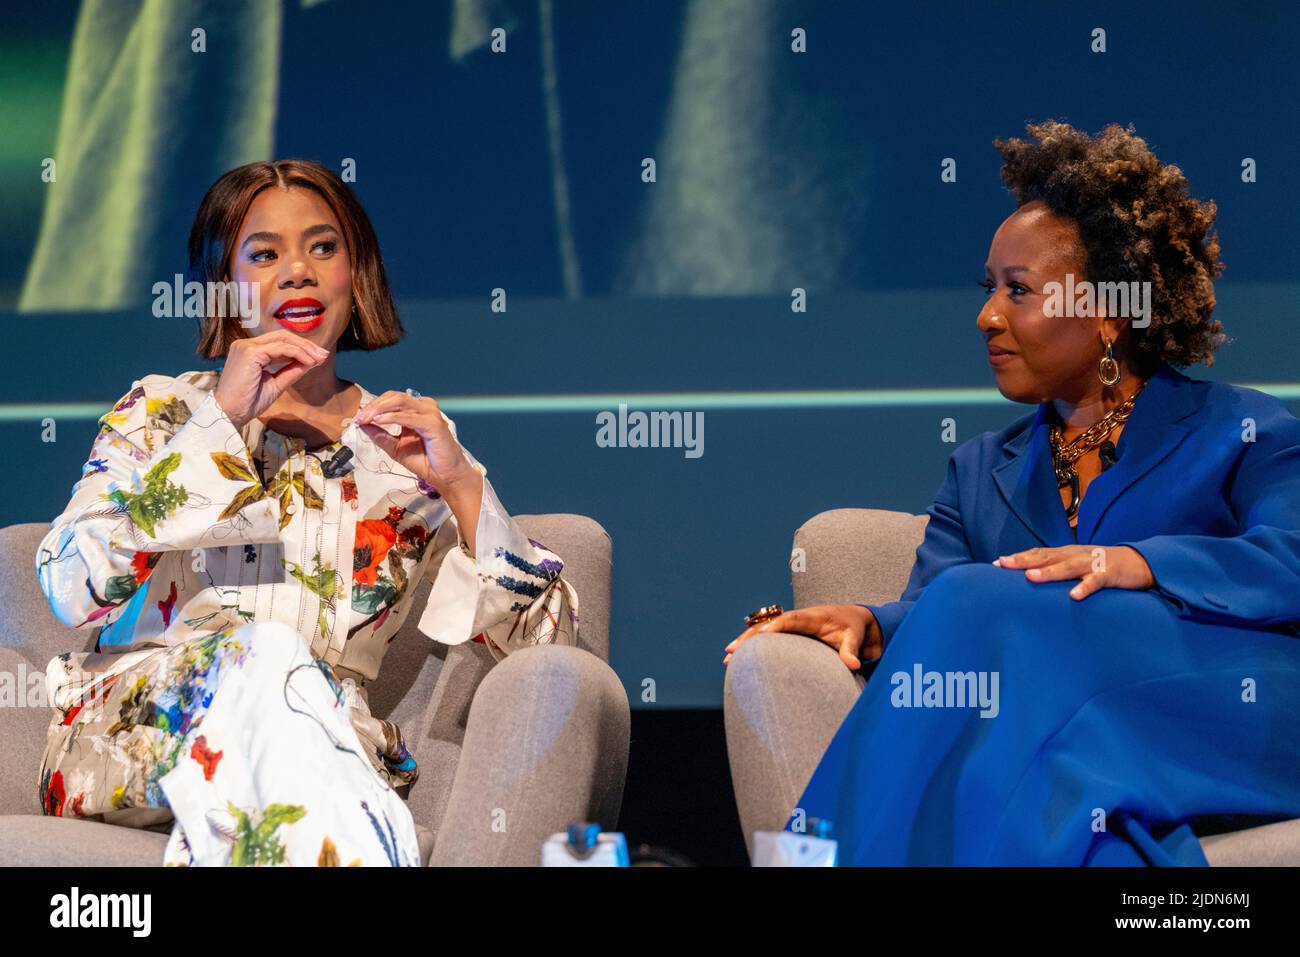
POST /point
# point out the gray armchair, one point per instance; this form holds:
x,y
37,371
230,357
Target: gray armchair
x,y
786,695
542,736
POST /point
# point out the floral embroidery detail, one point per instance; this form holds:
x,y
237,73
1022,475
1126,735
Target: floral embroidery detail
x,y
208,758
166,605
381,545
237,470
89,698
329,855
285,483
389,840
374,537
547,570
158,501
142,564
256,843
331,679
323,579
167,414
117,416
53,795
121,587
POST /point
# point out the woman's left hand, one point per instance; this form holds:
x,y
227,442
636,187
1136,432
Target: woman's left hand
x,y
425,445
1097,567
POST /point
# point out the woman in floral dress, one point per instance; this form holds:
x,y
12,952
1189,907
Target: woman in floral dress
x,y
246,540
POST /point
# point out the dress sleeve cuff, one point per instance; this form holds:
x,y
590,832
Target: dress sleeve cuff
x,y
509,592
200,490
889,616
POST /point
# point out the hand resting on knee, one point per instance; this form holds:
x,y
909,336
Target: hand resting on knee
x,y
850,629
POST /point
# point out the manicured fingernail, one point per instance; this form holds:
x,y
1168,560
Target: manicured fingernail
x,y
997,561
1034,572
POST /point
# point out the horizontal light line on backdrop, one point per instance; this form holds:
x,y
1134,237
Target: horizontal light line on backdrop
x,y
504,404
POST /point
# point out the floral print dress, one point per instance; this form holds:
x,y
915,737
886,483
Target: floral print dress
x,y
182,531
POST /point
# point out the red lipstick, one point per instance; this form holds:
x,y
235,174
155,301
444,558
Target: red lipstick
x,y
300,315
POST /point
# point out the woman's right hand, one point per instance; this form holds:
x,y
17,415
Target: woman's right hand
x,y
849,629
248,385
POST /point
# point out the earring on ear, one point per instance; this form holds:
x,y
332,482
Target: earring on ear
x,y
1108,368
352,324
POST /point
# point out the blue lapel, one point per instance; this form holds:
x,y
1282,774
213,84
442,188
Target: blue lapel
x,y
1028,484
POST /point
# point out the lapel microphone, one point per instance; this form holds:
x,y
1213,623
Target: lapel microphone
x,y
1106,452
338,463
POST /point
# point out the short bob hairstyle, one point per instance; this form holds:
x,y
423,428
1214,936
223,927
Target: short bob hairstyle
x,y
215,232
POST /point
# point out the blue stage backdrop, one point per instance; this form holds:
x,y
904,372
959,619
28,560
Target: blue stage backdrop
x,y
523,171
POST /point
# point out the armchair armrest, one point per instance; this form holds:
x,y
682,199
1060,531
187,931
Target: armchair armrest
x,y
546,744
783,699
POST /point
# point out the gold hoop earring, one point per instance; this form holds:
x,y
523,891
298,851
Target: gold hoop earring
x,y
352,324
1108,368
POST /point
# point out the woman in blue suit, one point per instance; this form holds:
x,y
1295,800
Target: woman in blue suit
x,y
1097,650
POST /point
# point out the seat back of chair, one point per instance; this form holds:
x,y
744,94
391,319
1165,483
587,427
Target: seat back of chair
x,y
30,636
854,555
26,623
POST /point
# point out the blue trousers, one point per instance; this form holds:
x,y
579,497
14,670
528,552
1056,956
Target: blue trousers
x,y
1111,726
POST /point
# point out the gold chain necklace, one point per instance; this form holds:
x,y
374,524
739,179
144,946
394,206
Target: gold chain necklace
x,y
1064,456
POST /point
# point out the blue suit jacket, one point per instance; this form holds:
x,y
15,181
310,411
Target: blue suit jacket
x,y
1206,487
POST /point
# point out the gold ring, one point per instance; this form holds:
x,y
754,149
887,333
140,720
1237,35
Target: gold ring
x,y
766,613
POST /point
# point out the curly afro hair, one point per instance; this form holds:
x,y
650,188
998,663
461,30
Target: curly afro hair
x,y
1138,223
